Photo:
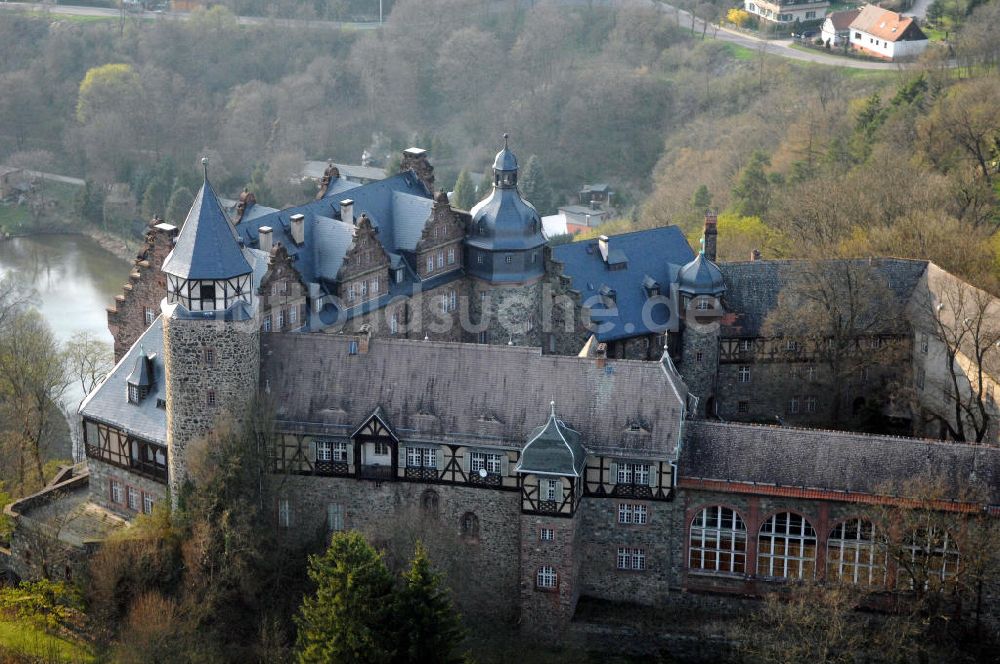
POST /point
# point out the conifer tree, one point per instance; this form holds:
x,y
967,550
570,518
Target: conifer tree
x,y
752,193
349,618
535,187
702,198
179,205
464,196
430,629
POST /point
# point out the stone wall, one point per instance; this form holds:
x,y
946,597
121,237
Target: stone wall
x,y
548,611
699,365
146,288
481,563
229,377
101,475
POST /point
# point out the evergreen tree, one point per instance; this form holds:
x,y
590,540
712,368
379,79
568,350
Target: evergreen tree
x,y
535,187
430,629
752,193
349,618
464,196
179,205
702,199
155,198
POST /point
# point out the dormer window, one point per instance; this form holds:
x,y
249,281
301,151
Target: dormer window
x,y
133,394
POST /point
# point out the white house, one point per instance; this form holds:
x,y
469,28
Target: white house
x,y
837,27
787,11
886,34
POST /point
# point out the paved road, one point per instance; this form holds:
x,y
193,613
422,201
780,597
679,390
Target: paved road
x,y
780,48
59,178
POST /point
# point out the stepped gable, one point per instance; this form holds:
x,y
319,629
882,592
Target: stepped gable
x,y
836,461
451,392
752,288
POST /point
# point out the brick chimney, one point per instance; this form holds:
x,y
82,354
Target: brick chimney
x,y
711,234
601,355
602,244
264,239
415,159
298,224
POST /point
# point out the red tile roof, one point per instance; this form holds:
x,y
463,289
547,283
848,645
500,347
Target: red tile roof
x,y
884,24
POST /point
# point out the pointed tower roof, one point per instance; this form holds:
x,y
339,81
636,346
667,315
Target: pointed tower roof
x,y
141,375
553,449
207,247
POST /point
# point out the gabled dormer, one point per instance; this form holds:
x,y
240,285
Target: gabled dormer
x,y
141,380
552,465
365,272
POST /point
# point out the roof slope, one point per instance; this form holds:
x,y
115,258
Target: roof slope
x,y
831,460
495,395
657,253
842,20
553,449
108,402
207,247
887,25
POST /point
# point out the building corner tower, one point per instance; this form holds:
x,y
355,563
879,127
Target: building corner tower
x,y
211,338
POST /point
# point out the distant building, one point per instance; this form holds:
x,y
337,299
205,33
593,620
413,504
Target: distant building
x,y
362,174
13,181
596,196
837,27
886,34
786,11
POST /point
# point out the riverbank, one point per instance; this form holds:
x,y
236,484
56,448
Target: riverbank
x,y
111,243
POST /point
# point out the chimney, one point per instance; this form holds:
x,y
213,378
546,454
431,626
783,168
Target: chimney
x,y
347,211
755,255
601,355
364,338
415,159
298,224
711,234
264,239
602,244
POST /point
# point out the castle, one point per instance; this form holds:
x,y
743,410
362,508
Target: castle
x,y
571,414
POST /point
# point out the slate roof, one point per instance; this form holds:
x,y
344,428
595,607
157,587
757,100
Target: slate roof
x,y
142,374
884,24
657,253
752,288
470,393
108,402
207,247
832,460
553,449
505,159
701,277
508,222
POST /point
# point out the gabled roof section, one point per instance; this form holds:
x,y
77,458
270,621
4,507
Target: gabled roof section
x,y
142,371
376,423
842,20
553,449
207,247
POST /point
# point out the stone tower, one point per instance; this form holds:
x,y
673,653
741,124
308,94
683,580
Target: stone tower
x,y
700,287
211,341
505,257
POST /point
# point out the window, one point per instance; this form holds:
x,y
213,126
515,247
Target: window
x,y
810,404
791,345
421,457
452,301
394,323
350,292
209,355
810,15
935,557
334,517
267,323
864,374
399,276
429,501
811,374
852,554
491,463
786,547
324,450
857,35
704,304
352,348
743,407
545,578
147,504
744,345
293,315
633,473
284,288
364,289
718,541
132,498
133,393
210,398
480,258
281,318
508,259
430,263
381,448
793,405
875,342
631,513
920,378
469,525
699,356
923,343
551,490
744,373
546,534
284,513
274,288
374,285
117,492
150,315
631,559
440,259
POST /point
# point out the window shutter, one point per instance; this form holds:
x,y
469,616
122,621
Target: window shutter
x,y
440,456
654,474
613,479
466,459
504,464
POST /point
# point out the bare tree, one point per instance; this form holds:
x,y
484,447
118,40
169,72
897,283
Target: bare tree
x,y
88,360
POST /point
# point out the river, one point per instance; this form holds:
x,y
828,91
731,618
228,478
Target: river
x,y
74,280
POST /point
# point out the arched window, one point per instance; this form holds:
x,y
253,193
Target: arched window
x,y
934,556
786,547
546,578
718,541
470,526
429,501
853,556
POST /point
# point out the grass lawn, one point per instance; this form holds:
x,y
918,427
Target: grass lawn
x,y
740,52
13,217
24,639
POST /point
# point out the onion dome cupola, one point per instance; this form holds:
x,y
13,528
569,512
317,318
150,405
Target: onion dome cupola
x,y
505,240
701,277
553,449
207,269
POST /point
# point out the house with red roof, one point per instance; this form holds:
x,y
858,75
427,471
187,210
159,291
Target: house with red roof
x,y
886,34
